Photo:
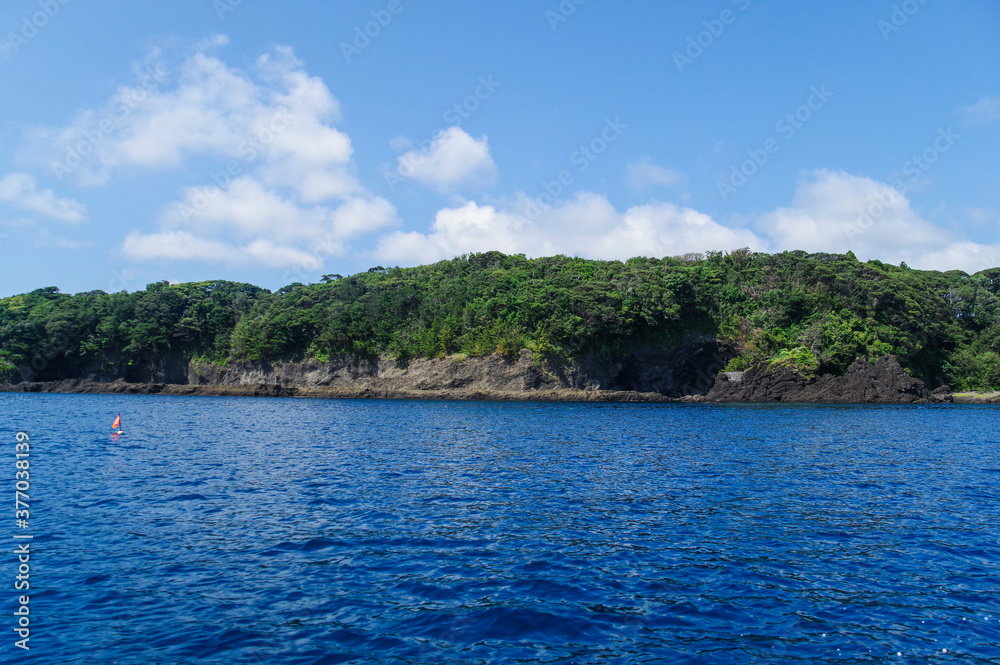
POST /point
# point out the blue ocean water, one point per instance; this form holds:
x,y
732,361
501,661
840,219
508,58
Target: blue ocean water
x,y
230,530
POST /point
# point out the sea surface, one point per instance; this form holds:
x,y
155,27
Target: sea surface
x,y
232,530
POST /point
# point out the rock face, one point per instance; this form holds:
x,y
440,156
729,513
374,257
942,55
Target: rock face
x,y
689,369
684,371
884,381
689,372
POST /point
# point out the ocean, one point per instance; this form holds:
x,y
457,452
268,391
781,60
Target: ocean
x,y
242,530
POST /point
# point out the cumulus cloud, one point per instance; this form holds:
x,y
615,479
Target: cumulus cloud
x,y
588,225
275,113
246,210
20,190
212,42
469,228
837,212
831,212
181,245
453,159
644,174
285,194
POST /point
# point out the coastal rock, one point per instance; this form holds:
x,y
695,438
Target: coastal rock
x,y
942,394
688,370
884,381
977,398
690,373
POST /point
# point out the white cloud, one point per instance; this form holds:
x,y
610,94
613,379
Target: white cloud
x,y
248,211
360,216
960,255
277,113
285,195
837,212
452,160
831,212
174,245
984,111
587,225
245,209
470,228
644,174
20,190
214,41
181,245
400,143
663,229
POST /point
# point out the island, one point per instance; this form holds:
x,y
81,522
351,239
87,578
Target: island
x,y
724,326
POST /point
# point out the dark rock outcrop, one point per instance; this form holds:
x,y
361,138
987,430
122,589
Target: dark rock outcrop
x,y
884,381
688,369
689,372
942,394
360,392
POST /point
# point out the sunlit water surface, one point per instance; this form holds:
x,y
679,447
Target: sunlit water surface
x,y
225,530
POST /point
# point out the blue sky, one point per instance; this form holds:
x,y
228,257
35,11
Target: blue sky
x,y
269,142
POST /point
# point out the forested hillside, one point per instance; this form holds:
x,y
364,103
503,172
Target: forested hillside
x,y
818,311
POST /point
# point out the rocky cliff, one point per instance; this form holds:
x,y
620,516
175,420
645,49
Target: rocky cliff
x,y
884,381
689,369
689,372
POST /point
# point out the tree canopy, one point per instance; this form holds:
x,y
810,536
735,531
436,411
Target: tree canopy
x,y
818,311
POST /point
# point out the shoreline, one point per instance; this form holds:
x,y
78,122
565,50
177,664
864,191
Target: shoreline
x,y
78,386
86,386
976,398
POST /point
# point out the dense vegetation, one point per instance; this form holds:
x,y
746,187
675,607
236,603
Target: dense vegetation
x,y
818,311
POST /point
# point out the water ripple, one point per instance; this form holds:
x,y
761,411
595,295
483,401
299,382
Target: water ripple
x,y
309,532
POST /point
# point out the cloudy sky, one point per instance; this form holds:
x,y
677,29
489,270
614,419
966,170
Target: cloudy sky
x,y
274,142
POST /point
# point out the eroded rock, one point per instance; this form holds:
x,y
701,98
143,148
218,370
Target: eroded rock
x,y
884,381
